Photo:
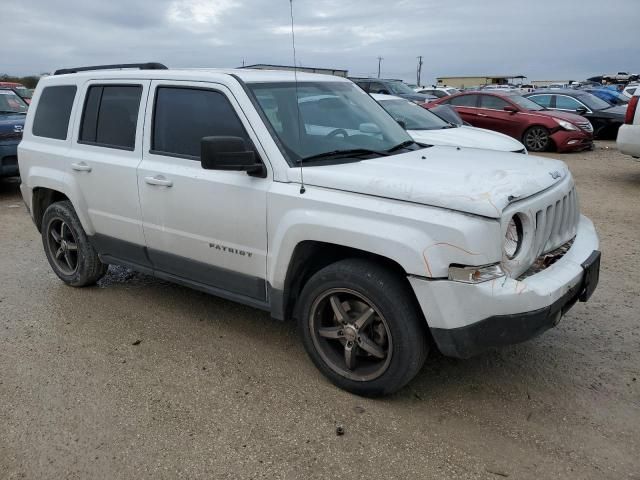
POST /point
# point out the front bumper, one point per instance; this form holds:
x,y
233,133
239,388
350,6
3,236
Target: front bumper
x,y
572,140
466,319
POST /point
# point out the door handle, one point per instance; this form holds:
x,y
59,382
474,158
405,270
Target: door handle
x,y
481,115
158,180
81,167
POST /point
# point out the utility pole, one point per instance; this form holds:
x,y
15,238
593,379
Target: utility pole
x,y
419,72
379,63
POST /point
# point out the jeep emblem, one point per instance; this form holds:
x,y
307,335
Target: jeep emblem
x,y
555,174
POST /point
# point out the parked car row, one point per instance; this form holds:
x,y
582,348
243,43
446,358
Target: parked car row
x,y
536,127
12,114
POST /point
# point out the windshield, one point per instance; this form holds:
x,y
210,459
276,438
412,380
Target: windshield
x,y
24,92
11,103
413,116
593,102
400,88
611,97
333,117
525,103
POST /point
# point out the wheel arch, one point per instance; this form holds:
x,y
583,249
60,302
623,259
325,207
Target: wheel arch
x,y
309,257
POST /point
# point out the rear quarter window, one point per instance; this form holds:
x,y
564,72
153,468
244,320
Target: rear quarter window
x,y
53,111
110,116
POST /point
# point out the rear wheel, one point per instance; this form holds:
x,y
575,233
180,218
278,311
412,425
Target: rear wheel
x,y
537,139
361,327
67,247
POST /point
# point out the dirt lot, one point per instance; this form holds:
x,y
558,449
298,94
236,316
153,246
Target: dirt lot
x,y
219,390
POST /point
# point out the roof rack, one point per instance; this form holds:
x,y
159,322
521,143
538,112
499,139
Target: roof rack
x,y
141,66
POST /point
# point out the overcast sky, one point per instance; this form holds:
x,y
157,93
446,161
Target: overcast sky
x,y
542,39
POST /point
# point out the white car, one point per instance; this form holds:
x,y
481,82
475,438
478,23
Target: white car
x,y
428,128
438,91
325,212
629,133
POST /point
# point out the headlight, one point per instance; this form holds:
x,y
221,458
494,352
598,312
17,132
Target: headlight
x,y
566,125
513,237
475,274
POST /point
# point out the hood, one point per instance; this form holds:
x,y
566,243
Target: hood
x,y
420,97
480,182
613,112
11,126
468,137
568,116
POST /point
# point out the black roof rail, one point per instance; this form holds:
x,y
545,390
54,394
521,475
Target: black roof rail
x,y
141,66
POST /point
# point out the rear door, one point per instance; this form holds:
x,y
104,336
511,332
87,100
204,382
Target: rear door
x,y
466,106
105,155
204,227
493,116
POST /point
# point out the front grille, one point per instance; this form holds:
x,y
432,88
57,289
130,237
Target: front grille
x,y
586,126
557,223
546,260
6,136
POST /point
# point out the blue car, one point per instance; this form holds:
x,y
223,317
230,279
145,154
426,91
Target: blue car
x,y
612,97
13,111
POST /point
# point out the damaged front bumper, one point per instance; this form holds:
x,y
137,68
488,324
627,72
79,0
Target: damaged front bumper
x,y
466,319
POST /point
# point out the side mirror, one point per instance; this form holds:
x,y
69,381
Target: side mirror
x,y
229,153
581,110
511,109
384,92
401,123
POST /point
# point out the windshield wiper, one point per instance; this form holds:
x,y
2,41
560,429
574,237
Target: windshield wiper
x,y
354,152
11,111
404,144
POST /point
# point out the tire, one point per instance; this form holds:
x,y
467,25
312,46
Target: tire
x,y
537,139
381,318
67,247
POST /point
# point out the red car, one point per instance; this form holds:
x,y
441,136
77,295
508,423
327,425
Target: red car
x,y
537,128
20,89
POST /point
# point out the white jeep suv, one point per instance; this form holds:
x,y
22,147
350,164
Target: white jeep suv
x,y
305,199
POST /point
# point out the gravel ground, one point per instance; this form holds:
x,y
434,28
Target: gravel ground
x,y
218,390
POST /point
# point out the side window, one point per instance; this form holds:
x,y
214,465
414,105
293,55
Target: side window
x,y
464,101
53,112
542,100
566,103
364,86
492,102
183,116
110,116
377,87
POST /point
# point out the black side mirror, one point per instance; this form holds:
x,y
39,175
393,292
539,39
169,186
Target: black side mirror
x,y
401,123
229,153
581,110
384,92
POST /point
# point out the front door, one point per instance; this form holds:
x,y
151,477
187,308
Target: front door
x,y
204,227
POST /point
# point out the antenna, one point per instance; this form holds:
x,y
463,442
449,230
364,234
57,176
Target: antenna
x,y
295,77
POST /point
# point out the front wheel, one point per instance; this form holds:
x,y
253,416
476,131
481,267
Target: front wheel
x,y
361,327
537,139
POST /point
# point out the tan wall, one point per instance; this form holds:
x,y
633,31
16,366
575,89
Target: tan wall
x,y
465,82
